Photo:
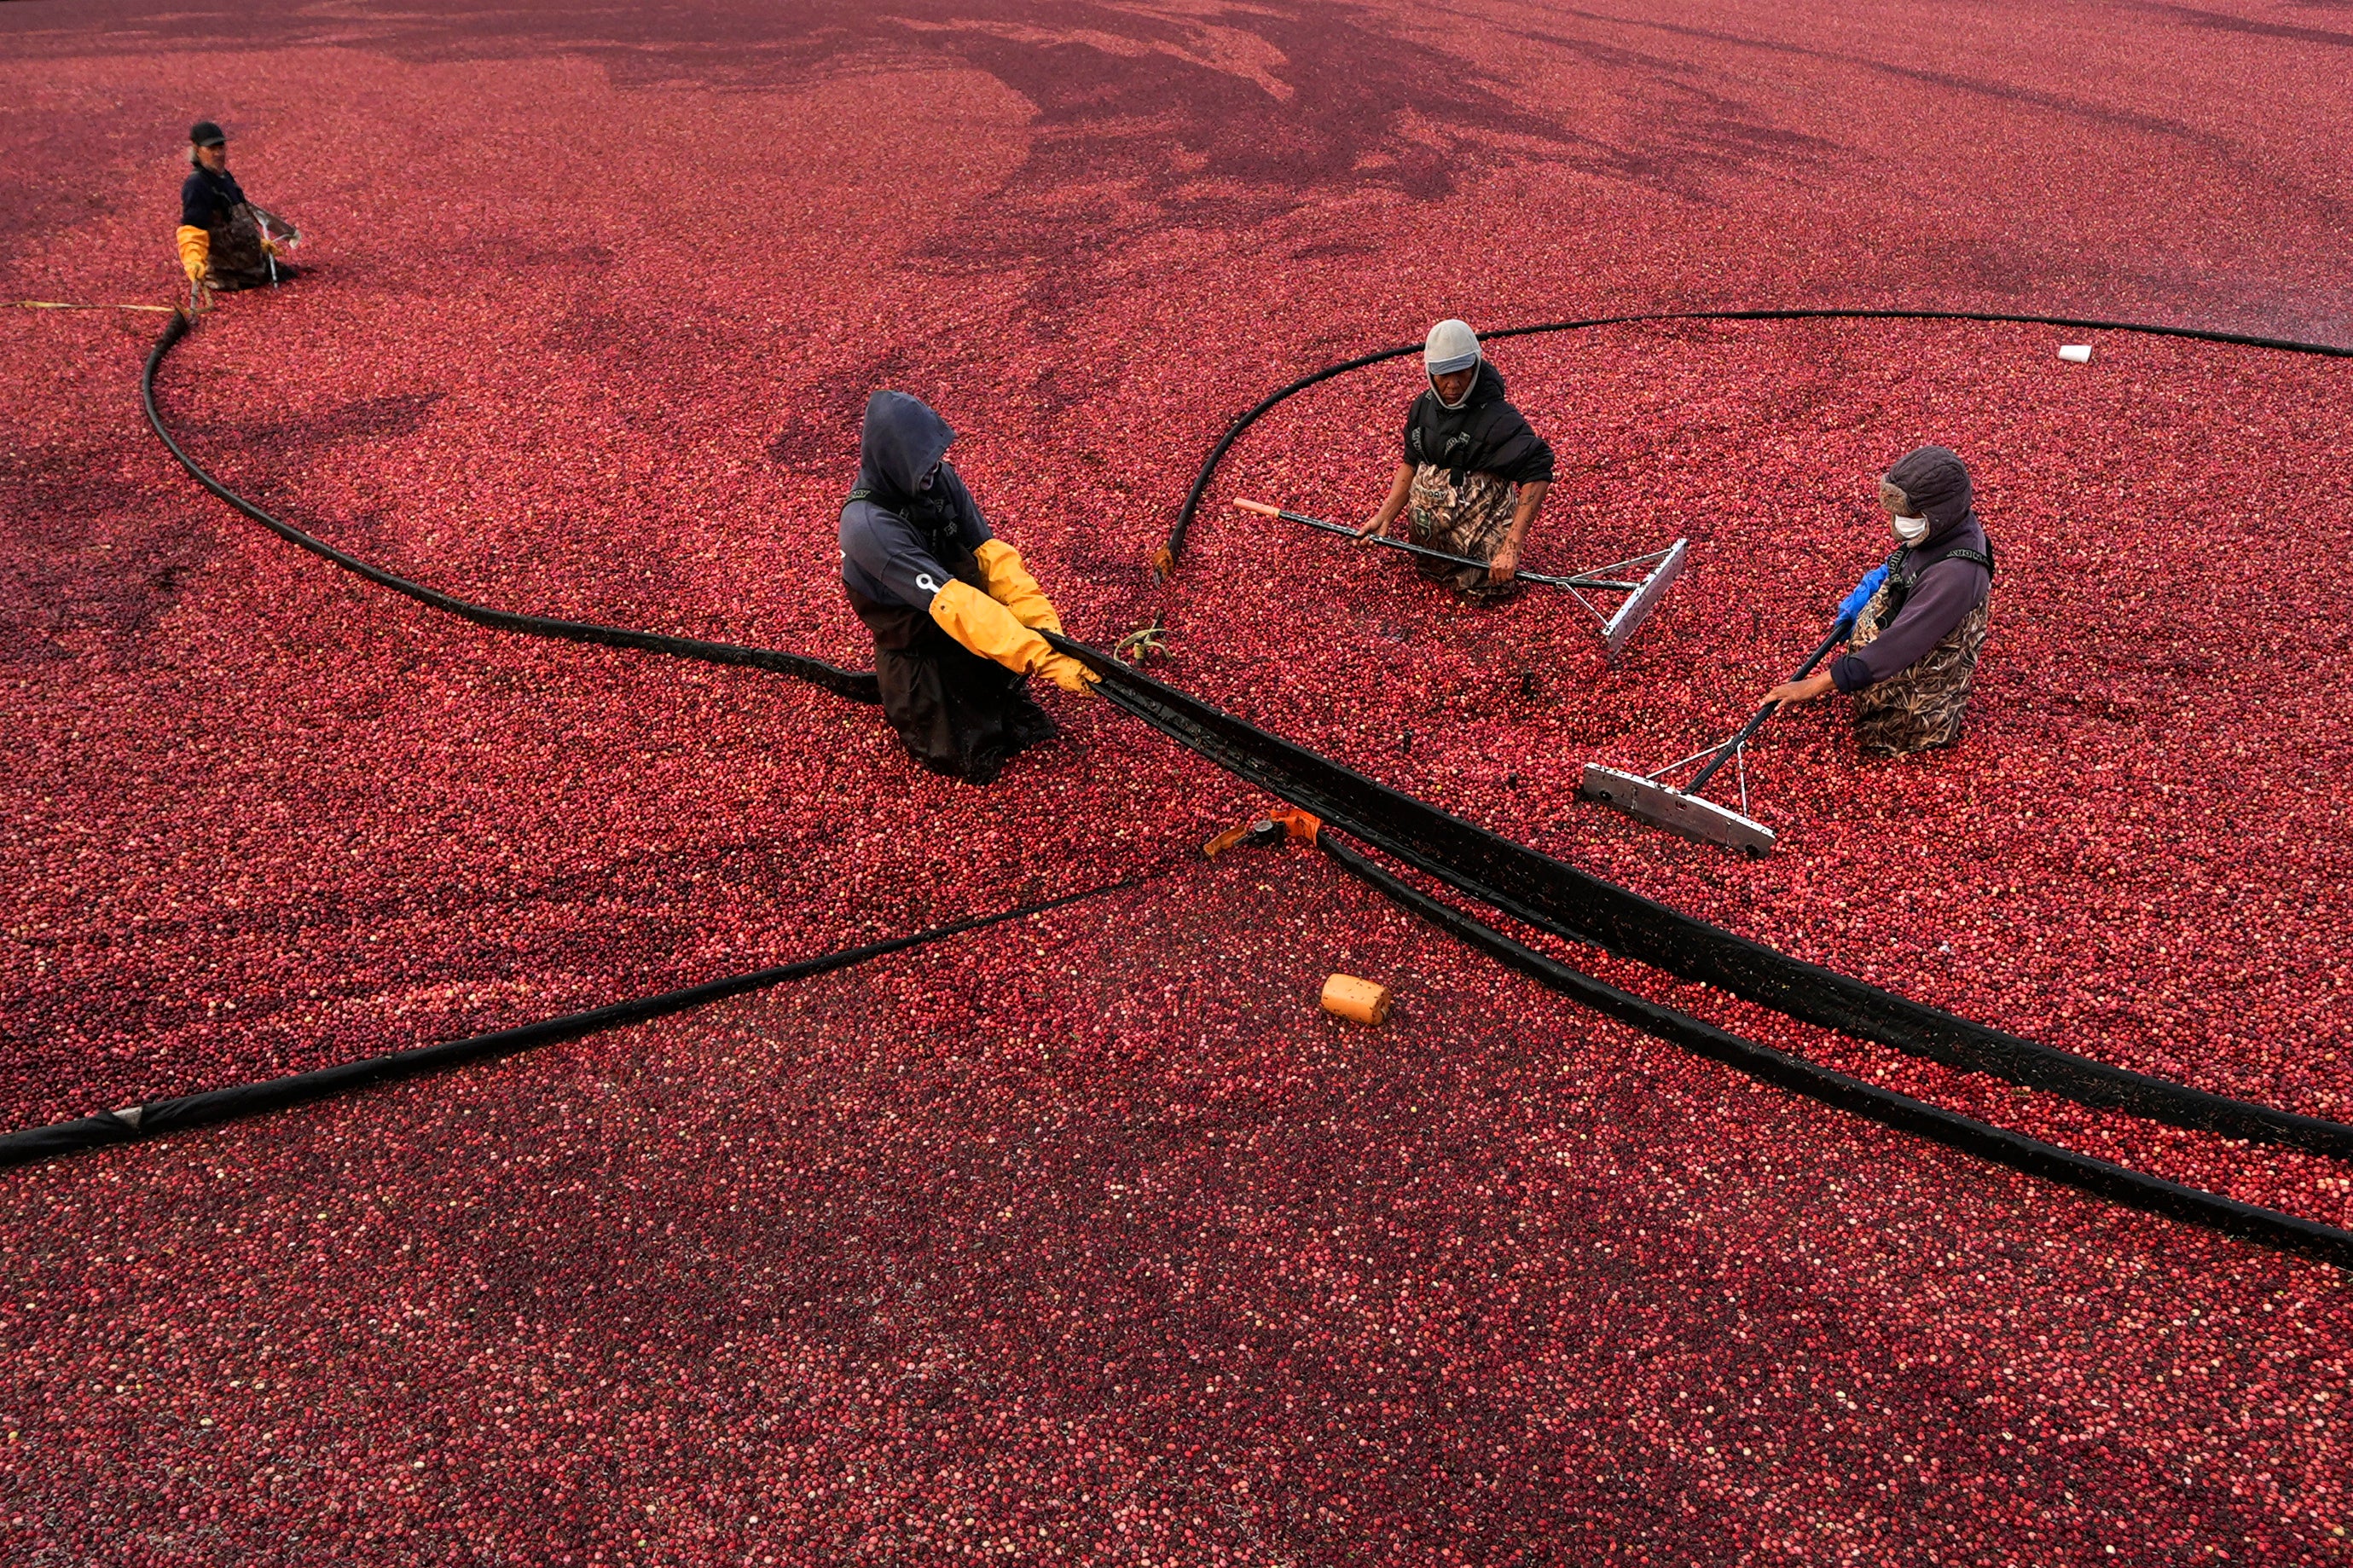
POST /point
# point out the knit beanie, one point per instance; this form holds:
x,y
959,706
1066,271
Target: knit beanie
x,y
1452,346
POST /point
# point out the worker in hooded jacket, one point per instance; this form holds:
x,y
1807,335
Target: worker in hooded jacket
x,y
1473,472
954,613
225,242
1914,653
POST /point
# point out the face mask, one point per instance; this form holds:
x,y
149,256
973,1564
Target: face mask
x,y
1909,530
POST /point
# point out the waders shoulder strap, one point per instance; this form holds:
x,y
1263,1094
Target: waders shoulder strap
x,y
1900,582
1982,557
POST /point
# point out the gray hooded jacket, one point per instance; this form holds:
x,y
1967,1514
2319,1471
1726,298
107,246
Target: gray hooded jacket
x,y
896,533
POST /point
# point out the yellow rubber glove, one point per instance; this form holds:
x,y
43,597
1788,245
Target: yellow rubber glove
x,y
1010,585
195,251
986,627
1069,674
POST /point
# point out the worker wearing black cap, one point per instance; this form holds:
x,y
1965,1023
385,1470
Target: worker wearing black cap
x,y
225,242
1915,649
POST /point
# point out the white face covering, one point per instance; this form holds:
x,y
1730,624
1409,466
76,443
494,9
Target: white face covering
x,y
1909,530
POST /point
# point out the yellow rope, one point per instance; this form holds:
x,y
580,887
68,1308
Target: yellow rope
x,y
62,305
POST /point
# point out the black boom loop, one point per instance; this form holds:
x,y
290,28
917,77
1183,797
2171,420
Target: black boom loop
x,y
858,685
1175,546
1526,886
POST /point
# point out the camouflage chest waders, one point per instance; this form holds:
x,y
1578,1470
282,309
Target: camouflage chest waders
x,y
1921,707
1462,513
237,258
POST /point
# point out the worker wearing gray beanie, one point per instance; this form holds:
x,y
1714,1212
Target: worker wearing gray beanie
x,y
1451,346
1473,471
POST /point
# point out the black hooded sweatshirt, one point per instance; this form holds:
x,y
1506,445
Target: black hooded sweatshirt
x,y
896,536
1485,435
1943,590
902,541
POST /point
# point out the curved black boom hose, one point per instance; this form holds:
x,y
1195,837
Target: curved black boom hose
x,y
858,685
1166,560
179,1113
1577,906
1826,1086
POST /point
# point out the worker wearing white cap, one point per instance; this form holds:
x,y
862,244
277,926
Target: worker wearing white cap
x,y
1473,472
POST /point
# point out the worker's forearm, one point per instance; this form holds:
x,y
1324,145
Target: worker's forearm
x,y
1400,489
1804,690
1532,498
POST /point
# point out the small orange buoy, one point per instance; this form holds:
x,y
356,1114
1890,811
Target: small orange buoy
x,y
1350,998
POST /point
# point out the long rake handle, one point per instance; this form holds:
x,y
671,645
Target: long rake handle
x,y
1731,748
1264,509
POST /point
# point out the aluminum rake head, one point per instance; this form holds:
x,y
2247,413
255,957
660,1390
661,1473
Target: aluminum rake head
x,y
1672,809
1621,627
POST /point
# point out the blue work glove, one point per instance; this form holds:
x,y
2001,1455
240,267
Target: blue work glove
x,y
1851,605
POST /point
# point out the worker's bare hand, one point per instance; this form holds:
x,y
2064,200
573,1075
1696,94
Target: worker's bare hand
x,y
1376,529
1505,565
1806,690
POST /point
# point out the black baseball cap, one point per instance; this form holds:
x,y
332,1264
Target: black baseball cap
x,y
205,133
